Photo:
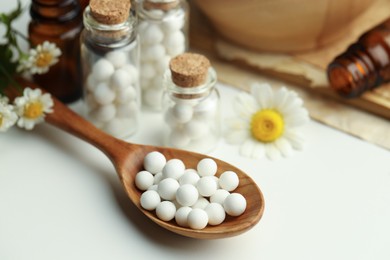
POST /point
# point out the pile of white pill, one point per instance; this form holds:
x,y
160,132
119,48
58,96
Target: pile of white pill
x,y
195,198
193,124
112,94
160,41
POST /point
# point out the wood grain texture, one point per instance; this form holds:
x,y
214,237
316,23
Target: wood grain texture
x,y
127,159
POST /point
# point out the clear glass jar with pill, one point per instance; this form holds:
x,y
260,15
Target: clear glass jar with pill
x,y
110,63
192,114
163,31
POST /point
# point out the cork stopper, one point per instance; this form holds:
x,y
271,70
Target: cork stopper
x,y
189,69
110,11
164,5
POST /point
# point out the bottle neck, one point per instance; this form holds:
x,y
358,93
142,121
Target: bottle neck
x,y
195,92
110,34
55,10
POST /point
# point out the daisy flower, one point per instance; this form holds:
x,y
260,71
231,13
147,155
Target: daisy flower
x,y
40,58
8,116
32,107
267,122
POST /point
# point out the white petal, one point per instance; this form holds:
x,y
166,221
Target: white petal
x,y
237,137
280,98
284,146
258,151
272,152
263,94
296,139
247,148
297,118
237,123
245,105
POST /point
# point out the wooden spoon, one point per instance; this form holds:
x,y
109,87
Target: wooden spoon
x,y
128,161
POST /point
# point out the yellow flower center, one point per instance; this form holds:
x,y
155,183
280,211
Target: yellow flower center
x,y
33,110
267,125
44,59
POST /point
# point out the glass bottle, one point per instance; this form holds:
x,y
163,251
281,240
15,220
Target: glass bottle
x,y
191,105
59,22
110,62
163,31
364,65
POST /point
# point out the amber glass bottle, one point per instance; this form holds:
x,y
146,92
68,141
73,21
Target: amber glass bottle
x,y
60,22
364,65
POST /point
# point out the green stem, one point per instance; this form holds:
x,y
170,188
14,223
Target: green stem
x,y
11,79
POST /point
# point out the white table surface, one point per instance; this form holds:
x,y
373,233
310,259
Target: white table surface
x,y
61,199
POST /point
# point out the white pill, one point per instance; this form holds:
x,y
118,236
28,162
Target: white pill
x,y
152,34
197,219
183,113
201,203
175,50
162,64
103,94
234,204
132,72
153,53
170,119
174,168
91,83
155,13
127,110
179,138
166,210
219,196
143,180
125,95
216,213
157,178
187,195
206,110
153,187
206,186
104,113
102,70
228,180
174,39
182,215
154,162
150,199
148,71
190,176
196,129
153,97
121,79
167,188
207,167
117,58
115,127
173,24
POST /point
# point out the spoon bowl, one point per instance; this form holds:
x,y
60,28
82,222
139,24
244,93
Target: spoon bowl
x,y
127,159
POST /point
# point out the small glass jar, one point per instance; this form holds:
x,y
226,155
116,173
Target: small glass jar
x,y
110,62
192,114
163,31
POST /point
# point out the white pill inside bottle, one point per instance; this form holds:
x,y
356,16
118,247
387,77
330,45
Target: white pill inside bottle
x,y
102,70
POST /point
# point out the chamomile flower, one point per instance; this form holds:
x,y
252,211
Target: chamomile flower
x,y
40,58
267,122
8,116
32,107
